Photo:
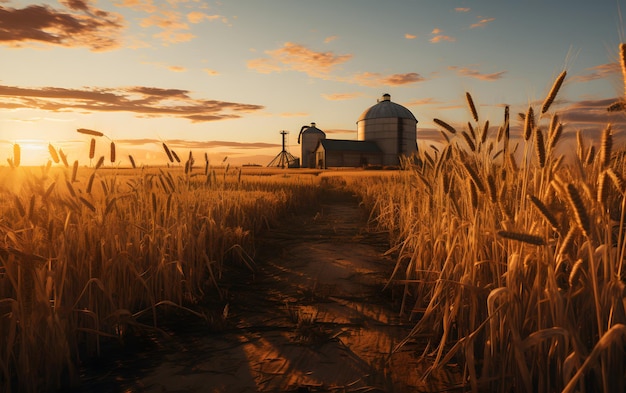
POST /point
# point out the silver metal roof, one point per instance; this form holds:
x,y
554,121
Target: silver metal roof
x,y
384,109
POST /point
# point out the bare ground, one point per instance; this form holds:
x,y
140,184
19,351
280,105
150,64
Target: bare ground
x,y
312,317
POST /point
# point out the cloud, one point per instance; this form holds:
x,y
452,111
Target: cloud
x,y
294,114
330,39
188,144
376,79
599,72
482,22
468,72
141,100
81,26
341,96
177,68
173,29
138,5
438,36
298,57
410,36
423,101
462,9
210,71
198,17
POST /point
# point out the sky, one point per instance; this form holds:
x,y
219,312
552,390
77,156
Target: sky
x,y
226,77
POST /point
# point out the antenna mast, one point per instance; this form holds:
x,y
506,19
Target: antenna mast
x,y
284,158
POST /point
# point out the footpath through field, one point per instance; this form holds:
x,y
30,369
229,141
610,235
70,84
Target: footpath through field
x,y
312,318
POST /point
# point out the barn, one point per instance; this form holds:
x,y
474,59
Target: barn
x,y
347,153
386,132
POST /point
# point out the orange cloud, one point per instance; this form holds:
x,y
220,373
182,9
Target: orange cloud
x,y
423,101
462,9
210,71
341,96
298,57
81,26
198,17
330,39
177,68
174,30
187,144
140,100
465,71
599,72
410,36
482,22
138,5
294,114
376,79
437,36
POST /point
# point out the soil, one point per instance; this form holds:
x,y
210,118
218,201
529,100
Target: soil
x,y
312,316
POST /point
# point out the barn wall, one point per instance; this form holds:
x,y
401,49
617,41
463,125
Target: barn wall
x,y
351,159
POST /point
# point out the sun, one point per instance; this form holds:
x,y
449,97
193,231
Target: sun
x,y
33,152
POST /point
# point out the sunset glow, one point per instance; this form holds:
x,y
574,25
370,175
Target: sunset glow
x,y
226,77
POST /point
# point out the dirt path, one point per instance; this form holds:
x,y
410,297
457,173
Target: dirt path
x,y
313,317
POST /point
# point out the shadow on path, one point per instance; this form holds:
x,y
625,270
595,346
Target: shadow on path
x,y
313,317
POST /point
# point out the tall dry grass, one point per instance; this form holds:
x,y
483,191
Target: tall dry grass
x,y
89,254
511,257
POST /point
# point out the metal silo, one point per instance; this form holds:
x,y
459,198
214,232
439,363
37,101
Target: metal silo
x,y
308,138
392,126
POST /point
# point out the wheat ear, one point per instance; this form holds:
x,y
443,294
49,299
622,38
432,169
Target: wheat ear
x,y
553,92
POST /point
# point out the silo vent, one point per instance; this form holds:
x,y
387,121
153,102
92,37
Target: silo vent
x,y
312,124
386,97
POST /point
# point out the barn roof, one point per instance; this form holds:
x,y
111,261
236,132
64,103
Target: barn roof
x,y
349,145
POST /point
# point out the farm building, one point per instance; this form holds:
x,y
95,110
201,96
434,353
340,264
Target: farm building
x,y
338,152
308,139
385,132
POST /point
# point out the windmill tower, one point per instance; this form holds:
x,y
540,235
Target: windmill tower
x,y
284,159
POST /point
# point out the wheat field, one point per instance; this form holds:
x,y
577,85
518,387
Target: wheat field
x,y
512,257
509,255
85,252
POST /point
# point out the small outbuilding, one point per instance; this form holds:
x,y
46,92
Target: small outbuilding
x,y
347,153
308,139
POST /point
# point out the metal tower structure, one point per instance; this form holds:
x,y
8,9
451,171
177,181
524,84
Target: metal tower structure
x,y
284,158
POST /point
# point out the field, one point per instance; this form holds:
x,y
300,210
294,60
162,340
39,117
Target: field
x,y
505,258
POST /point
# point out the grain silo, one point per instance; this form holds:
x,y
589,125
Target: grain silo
x,y
308,138
392,126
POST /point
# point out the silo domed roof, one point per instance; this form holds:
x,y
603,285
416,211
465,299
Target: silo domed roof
x,y
385,108
312,130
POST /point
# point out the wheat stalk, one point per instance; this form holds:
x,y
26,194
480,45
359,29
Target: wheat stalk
x,y
100,162
529,123
74,171
112,152
168,152
53,153
523,237
16,155
445,126
580,212
553,92
540,148
92,148
606,145
89,132
472,107
469,141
